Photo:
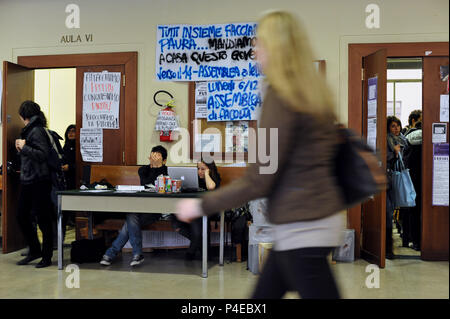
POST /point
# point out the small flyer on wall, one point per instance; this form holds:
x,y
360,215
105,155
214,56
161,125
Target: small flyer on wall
x,y
444,108
439,133
201,94
91,144
440,174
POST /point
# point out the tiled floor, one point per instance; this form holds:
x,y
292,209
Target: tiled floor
x,y
166,275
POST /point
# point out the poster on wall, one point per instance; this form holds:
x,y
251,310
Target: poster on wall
x,y
234,100
91,144
440,174
372,109
444,108
236,137
439,133
101,100
206,52
201,109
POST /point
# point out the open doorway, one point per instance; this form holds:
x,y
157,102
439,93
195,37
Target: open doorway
x,y
55,92
404,101
367,61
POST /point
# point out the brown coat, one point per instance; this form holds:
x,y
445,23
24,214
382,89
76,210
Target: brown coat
x,y
303,187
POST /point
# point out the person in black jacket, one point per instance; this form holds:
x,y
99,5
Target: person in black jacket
x,y
33,148
69,166
413,161
132,228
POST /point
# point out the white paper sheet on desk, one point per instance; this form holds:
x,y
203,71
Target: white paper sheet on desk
x,y
95,190
135,188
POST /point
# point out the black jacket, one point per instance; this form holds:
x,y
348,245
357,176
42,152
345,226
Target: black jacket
x,y
70,159
148,175
34,154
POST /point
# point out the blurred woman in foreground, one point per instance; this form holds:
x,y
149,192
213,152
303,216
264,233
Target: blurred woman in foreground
x,y
303,196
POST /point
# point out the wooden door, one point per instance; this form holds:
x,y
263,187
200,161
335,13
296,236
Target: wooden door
x,y
18,86
113,139
435,223
373,212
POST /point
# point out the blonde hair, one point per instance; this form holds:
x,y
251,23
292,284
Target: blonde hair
x,y
290,70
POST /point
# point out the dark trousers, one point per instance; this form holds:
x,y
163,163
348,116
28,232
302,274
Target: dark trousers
x,y
304,270
36,198
193,232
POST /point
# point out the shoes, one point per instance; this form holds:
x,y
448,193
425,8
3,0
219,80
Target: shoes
x,y
390,256
28,259
106,260
137,260
44,263
416,247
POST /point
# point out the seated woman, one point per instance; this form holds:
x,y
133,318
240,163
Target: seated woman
x,y
132,228
208,179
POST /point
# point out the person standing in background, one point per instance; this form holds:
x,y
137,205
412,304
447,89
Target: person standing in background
x,y
413,161
396,145
69,167
34,197
303,195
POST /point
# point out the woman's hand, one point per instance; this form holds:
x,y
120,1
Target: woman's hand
x,y
20,144
397,149
188,209
65,168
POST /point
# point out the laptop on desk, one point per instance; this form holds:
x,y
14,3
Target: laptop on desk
x,y
188,177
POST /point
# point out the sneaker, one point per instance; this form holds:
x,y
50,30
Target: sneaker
x,y
137,260
106,260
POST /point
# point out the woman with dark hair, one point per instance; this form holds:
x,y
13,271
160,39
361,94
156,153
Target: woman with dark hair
x,y
70,156
396,145
33,148
208,179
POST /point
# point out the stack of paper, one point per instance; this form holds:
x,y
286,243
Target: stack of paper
x,y
136,188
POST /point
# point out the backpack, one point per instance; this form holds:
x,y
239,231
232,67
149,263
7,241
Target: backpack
x,y
55,162
87,250
357,169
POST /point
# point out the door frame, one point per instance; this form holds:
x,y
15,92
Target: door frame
x,y
128,59
356,52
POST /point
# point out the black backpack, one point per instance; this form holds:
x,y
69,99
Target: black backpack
x,y
357,169
55,162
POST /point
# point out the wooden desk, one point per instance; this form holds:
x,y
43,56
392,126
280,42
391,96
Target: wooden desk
x,y
140,202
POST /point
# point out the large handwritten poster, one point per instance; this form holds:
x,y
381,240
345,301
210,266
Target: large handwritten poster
x,y
206,52
234,100
101,100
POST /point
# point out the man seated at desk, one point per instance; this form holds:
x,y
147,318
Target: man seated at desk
x,y
132,228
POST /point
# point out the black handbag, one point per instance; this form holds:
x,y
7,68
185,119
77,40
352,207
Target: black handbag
x,y
357,169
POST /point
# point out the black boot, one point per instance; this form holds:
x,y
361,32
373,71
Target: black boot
x,y
28,259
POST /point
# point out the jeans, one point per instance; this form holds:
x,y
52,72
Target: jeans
x,y
304,270
131,230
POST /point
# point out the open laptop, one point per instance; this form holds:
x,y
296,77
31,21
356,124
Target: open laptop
x,y
188,177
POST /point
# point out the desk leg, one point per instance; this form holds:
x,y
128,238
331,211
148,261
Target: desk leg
x,y
205,248
222,228
60,235
90,231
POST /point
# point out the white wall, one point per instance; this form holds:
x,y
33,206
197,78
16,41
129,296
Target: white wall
x,y
54,91
35,27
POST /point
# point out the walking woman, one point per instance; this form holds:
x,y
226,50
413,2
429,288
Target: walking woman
x,y
33,148
303,196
